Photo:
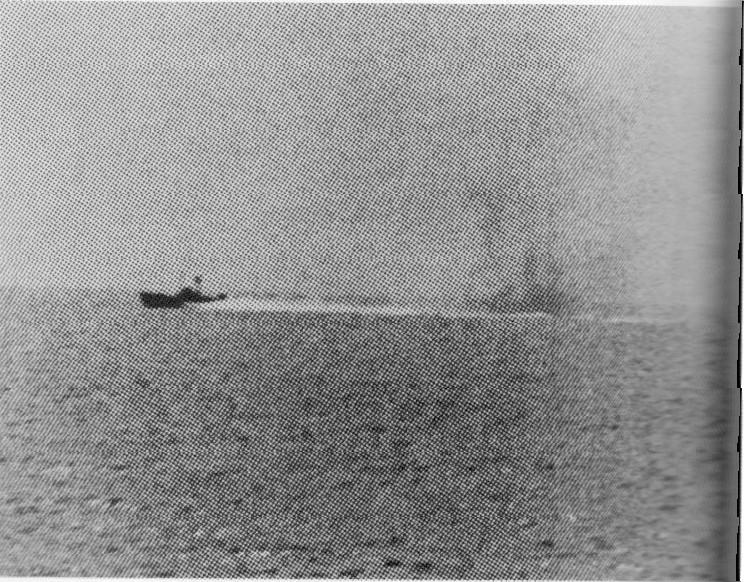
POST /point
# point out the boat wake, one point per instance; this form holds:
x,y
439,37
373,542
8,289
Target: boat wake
x,y
256,305
251,305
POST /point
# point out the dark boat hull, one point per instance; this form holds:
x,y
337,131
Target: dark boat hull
x,y
163,301
160,301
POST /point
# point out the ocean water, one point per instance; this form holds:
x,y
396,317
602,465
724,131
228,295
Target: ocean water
x,y
193,442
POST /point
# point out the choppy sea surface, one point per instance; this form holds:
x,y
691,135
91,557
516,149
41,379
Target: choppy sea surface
x,y
243,443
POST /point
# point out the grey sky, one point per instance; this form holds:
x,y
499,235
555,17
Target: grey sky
x,y
353,148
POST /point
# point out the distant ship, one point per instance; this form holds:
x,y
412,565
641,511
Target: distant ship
x,y
186,295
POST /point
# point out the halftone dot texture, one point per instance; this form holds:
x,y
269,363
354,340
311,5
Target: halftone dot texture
x,y
480,156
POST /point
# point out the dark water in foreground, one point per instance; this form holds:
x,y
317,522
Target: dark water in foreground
x,y
188,443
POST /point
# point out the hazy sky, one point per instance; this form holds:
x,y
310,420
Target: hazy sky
x,y
363,148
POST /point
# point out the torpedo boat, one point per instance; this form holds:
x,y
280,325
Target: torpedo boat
x,y
186,295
